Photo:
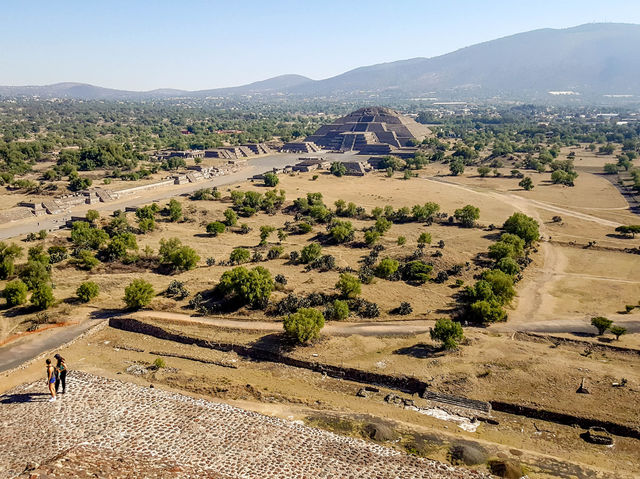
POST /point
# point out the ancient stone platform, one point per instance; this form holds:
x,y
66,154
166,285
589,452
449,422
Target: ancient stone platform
x,y
112,429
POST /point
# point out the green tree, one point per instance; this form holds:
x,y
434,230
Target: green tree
x,y
304,325
483,171
230,217
216,228
371,237
618,331
337,311
456,167
34,274
252,287
424,238
526,183
175,210
310,253
84,236
42,296
386,268
610,168
508,265
265,231
138,294
181,258
341,231
349,285
523,226
467,216
416,271
86,260
239,256
382,225
15,293
601,324
87,291
271,180
92,216
448,332
488,311
338,168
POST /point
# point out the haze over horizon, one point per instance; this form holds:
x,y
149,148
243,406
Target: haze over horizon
x,y
201,45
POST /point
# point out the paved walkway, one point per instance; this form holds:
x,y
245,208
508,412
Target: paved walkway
x,y
107,428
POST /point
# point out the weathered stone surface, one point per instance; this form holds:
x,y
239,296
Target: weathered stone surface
x,y
107,428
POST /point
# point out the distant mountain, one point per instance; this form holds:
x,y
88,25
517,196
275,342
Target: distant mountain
x,y
279,84
593,59
587,62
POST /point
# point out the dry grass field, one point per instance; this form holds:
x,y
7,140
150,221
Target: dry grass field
x,y
567,283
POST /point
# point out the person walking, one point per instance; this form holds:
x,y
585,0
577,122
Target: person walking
x,y
51,379
61,378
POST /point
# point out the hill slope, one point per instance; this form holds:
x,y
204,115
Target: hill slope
x,y
591,59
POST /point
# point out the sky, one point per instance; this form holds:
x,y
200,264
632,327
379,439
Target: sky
x,y
192,45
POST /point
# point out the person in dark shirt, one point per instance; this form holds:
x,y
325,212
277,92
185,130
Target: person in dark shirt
x,y
61,369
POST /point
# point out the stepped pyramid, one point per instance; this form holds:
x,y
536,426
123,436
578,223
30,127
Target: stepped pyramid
x,y
369,130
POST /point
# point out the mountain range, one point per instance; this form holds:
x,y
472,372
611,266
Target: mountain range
x,y
592,61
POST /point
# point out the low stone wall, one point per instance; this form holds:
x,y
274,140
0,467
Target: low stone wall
x,y
405,384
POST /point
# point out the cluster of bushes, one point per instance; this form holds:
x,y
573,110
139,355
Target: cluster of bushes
x,y
34,276
312,206
248,203
488,296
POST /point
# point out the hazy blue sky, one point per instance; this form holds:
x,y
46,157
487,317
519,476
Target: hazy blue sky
x,y
188,44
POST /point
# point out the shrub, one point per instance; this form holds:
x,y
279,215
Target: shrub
x,y
244,228
275,252
304,228
230,217
280,279
404,309
177,290
265,231
239,256
86,260
523,226
211,261
501,285
386,268
6,268
138,294
216,228
467,216
310,253
159,363
87,291
371,237
15,293
174,210
338,168
618,331
601,324
382,225
337,311
416,271
251,287
401,240
42,296
508,265
181,258
341,231
448,332
34,273
271,179
424,238
304,325
349,285
92,216
294,256
325,262
488,311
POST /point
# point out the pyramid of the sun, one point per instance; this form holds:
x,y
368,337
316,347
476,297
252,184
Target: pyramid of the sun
x,y
372,130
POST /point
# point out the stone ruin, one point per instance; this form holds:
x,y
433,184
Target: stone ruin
x,y
373,130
